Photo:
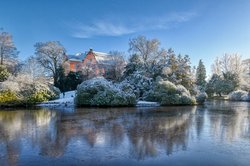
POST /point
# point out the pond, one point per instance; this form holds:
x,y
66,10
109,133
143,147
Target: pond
x,y
217,133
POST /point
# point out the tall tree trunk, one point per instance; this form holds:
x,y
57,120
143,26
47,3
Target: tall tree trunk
x,y
1,59
1,51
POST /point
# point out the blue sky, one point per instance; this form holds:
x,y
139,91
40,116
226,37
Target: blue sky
x,y
203,29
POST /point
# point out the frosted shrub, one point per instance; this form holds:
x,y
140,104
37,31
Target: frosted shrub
x,y
40,93
201,97
182,90
239,95
8,97
100,92
167,93
139,83
28,90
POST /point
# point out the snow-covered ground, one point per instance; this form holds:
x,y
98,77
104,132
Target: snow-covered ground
x,y
147,104
64,100
68,101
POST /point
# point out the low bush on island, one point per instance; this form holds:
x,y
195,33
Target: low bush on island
x,y
166,93
239,95
201,97
100,92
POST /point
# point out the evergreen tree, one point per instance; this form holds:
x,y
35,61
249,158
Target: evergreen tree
x,y
4,74
201,75
214,85
60,83
72,80
135,64
232,81
222,84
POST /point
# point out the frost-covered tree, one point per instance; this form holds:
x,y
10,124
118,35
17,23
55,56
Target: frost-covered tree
x,y
232,79
245,81
214,85
32,67
183,73
216,69
224,84
135,64
231,63
151,62
201,75
230,68
50,55
169,70
228,63
119,64
88,70
178,70
149,52
7,47
146,48
140,84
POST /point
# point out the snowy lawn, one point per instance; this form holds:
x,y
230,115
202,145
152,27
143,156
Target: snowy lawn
x,y
64,100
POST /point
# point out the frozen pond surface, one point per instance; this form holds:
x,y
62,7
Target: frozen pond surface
x,y
217,133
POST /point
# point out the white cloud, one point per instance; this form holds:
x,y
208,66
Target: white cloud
x,y
101,28
112,28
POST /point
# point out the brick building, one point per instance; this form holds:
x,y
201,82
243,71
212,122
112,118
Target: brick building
x,y
92,64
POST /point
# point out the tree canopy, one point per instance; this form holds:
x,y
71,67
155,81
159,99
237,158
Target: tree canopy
x,y
50,55
7,47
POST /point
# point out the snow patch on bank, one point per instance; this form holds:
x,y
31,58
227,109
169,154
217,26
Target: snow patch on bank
x,y
65,100
147,104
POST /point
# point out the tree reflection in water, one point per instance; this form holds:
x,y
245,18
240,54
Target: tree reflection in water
x,y
165,127
232,122
135,133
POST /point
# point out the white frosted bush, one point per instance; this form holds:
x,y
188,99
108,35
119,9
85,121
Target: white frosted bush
x,y
239,95
139,83
100,92
201,97
29,90
181,89
167,93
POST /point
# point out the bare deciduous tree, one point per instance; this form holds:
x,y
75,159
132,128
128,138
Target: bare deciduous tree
x,y
32,67
119,63
228,63
89,70
148,49
50,55
216,67
7,47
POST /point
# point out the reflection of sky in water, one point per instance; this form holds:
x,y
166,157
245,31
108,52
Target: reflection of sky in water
x,y
215,134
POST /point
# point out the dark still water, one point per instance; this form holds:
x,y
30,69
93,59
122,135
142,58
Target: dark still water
x,y
215,134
